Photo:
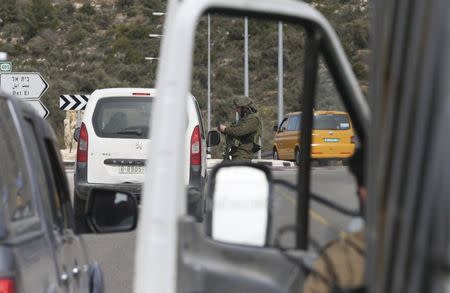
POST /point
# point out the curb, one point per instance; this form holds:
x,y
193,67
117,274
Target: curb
x,y
273,163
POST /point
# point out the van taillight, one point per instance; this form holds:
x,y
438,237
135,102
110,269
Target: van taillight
x,y
196,147
7,285
82,151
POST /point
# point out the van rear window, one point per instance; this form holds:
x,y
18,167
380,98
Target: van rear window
x,y
122,117
331,122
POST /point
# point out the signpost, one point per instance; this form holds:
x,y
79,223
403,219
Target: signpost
x,y
27,86
40,108
73,102
24,85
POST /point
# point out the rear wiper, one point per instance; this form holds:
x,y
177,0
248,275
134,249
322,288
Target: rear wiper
x,y
136,132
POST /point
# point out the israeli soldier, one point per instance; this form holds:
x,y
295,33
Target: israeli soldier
x,y
242,136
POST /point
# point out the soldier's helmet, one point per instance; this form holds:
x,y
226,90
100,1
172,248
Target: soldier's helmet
x,y
242,101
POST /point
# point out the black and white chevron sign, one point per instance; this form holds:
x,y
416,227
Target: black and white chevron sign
x,y
73,102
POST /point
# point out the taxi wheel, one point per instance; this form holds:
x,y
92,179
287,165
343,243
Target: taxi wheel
x,y
275,155
297,157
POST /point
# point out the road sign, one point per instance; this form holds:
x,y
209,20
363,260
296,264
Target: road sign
x,y
39,108
5,66
73,102
24,85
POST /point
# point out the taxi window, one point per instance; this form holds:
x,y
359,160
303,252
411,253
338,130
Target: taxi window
x,y
122,117
283,124
16,191
331,122
294,123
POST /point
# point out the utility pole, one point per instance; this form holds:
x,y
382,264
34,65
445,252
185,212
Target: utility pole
x,y
209,72
280,73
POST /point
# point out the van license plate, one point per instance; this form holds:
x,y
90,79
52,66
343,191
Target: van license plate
x,y
331,139
131,169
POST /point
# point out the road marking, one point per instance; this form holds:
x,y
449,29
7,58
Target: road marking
x,y
317,217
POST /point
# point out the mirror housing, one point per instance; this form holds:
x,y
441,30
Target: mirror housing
x,y
213,138
111,211
237,191
76,134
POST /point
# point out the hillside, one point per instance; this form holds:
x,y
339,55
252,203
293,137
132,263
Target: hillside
x,y
81,45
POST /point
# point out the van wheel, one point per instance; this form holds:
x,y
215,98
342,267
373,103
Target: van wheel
x,y
81,225
297,157
275,155
323,163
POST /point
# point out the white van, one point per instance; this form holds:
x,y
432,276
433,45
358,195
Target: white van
x,y
113,143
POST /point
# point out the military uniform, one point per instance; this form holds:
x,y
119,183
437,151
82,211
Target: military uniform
x,y
341,264
242,136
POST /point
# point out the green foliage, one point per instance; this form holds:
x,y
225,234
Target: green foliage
x,y
124,4
8,11
87,9
65,10
132,31
39,14
75,35
157,5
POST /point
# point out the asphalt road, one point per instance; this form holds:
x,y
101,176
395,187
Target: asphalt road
x,y
115,252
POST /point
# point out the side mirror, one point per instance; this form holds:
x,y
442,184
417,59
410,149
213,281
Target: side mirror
x,y
238,205
275,128
213,138
111,211
76,134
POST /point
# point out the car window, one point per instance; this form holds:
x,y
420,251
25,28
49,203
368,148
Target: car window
x,y
331,122
45,179
294,123
61,197
17,192
122,117
199,115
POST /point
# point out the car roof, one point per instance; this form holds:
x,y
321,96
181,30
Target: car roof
x,y
110,92
319,112
122,91
329,112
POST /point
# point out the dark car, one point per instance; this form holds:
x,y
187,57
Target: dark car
x,y
39,251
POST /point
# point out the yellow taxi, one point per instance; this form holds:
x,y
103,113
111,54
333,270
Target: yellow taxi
x,y
332,136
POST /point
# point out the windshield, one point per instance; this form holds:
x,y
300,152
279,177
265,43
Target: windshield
x,y
122,117
331,122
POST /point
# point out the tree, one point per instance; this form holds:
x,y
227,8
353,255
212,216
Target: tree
x,y
8,11
39,14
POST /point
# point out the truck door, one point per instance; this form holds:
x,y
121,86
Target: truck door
x,y
207,263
